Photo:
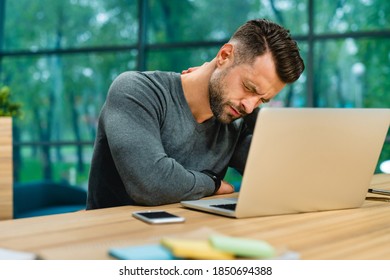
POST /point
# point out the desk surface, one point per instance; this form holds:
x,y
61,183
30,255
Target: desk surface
x,y
362,233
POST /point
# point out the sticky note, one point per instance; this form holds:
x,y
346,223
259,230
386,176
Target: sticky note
x,y
242,247
194,249
142,252
7,254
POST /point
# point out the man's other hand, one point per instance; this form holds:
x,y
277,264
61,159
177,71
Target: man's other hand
x,y
225,188
192,69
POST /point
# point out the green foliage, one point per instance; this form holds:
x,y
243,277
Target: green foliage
x,y
385,155
62,93
32,170
7,107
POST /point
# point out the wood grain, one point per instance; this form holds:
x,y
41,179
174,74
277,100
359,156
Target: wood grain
x,y
6,169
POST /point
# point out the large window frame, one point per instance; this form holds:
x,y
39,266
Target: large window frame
x,y
143,47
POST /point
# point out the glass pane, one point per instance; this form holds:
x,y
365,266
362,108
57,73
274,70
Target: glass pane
x,y
48,24
384,159
69,164
185,21
352,73
62,95
346,16
177,60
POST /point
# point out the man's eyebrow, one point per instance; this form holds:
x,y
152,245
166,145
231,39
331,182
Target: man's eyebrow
x,y
253,88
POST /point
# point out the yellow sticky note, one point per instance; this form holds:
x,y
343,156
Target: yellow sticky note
x,y
194,249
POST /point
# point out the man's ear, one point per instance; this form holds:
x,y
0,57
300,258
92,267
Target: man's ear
x,y
225,54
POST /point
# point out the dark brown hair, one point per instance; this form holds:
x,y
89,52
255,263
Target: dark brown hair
x,y
256,37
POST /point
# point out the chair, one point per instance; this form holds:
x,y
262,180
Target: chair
x,y
47,198
234,178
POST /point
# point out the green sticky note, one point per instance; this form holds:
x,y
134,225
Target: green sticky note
x,y
243,247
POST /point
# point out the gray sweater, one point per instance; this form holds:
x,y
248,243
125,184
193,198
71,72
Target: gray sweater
x,y
149,150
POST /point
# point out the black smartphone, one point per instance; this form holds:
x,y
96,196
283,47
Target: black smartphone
x,y
158,217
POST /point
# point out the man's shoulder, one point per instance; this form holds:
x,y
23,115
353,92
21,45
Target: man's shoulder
x,y
156,86
132,80
148,75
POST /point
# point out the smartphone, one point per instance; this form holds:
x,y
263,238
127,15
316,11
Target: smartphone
x,y
158,217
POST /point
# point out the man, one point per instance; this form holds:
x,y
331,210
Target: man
x,y
165,137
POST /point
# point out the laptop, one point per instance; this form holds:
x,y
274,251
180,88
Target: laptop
x,y
305,160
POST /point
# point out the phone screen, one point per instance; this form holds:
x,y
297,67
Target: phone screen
x,y
157,217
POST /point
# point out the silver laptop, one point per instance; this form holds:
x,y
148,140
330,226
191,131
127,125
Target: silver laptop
x,y
305,160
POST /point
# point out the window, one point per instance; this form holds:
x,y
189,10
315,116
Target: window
x,y
60,58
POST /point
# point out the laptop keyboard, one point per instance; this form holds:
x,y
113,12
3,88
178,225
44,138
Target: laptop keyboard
x,y
230,206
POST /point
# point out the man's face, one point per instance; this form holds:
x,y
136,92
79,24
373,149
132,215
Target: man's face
x,y
236,90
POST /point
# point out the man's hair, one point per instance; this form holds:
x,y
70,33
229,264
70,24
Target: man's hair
x,y
256,37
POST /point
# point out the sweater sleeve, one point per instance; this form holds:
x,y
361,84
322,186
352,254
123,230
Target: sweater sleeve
x,y
131,118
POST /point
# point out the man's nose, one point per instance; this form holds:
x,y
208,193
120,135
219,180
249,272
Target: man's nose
x,y
250,103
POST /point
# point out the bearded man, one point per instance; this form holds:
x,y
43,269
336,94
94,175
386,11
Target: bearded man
x,y
164,137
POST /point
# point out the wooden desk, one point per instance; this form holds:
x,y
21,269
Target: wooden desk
x,y
362,233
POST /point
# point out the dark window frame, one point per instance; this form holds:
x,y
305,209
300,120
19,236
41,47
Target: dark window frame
x,y
142,47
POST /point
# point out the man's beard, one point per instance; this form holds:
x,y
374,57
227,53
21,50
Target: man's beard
x,y
217,101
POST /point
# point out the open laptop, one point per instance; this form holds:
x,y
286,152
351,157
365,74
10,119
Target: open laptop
x,y
305,160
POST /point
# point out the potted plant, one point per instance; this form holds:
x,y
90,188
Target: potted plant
x,y
8,110
7,107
